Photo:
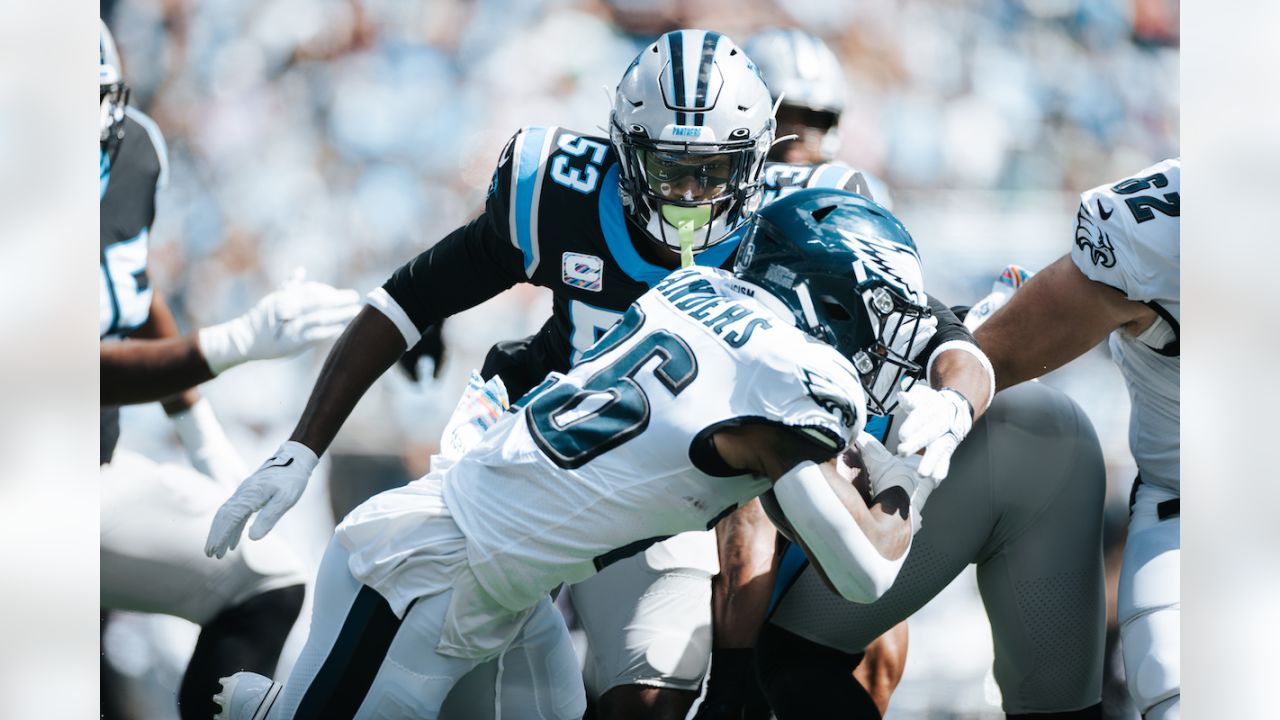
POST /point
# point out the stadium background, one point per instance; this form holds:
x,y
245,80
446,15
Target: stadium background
x,y
346,136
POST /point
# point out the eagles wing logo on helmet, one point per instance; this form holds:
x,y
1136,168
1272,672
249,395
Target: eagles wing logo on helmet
x,y
895,263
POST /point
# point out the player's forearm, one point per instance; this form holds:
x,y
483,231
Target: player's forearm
x,y
138,371
966,373
1056,317
858,549
740,592
369,346
161,325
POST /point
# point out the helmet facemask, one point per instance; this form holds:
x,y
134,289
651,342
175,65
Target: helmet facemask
x,y
113,94
689,195
884,365
691,124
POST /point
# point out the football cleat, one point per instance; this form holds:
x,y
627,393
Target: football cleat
x,y
246,696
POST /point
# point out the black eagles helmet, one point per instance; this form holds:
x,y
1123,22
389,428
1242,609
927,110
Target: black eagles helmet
x,y
849,272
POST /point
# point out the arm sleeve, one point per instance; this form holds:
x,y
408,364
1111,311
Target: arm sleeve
x,y
470,265
950,328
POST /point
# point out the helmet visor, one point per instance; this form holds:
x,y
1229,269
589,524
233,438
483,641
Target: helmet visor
x,y
691,178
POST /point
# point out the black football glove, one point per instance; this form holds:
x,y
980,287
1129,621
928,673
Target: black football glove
x,y
431,346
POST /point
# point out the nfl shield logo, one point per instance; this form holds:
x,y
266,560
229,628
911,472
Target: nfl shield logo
x,y
585,272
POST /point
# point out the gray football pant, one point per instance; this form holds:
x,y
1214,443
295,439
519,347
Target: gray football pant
x,y
1023,501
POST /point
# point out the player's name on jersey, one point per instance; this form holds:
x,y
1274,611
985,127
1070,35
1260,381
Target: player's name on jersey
x,y
694,295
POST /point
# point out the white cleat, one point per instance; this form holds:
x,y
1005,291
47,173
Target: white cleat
x,y
246,696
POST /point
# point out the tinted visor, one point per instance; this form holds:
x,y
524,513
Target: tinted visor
x,y
684,177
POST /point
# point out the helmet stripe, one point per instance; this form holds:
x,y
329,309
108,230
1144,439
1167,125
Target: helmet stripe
x,y
709,44
675,44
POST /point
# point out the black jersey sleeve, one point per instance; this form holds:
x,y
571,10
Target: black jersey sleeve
x,y
950,328
470,265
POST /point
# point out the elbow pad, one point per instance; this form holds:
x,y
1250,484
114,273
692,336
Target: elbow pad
x,y
853,565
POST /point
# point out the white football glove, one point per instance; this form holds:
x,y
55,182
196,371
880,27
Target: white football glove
x,y
937,421
270,492
481,405
207,445
285,322
885,470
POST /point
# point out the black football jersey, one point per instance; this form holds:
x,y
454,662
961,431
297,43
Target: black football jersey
x,y
554,217
128,182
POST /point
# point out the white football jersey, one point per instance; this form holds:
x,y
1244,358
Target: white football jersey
x,y
600,463
1127,236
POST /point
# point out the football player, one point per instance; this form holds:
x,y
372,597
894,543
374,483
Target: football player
x,y
808,86
599,221
151,562
713,388
1120,280
1035,537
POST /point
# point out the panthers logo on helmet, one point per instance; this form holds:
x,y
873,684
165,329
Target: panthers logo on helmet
x,y
1090,236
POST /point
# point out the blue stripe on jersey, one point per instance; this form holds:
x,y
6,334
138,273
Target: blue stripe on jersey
x,y
104,172
828,176
527,170
614,227
878,427
789,568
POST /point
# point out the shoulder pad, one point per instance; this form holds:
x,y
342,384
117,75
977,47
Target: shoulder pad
x,y
1127,233
157,142
807,385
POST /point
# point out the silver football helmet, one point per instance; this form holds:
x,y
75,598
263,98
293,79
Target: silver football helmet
x,y
801,69
113,94
692,122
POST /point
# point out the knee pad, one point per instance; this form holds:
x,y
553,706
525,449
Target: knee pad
x,y
1170,709
1152,673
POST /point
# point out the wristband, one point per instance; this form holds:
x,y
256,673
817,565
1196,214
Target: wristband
x,y
962,397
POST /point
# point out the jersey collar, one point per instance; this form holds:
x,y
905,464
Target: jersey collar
x,y
613,224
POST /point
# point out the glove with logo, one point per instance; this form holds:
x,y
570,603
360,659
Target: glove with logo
x,y
270,492
937,422
287,321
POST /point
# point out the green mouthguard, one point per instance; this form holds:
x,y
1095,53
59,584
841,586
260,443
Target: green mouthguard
x,y
686,220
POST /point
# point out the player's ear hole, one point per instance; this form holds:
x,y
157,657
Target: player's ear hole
x,y
834,310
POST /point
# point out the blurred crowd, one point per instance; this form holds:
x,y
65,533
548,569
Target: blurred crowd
x,y
346,136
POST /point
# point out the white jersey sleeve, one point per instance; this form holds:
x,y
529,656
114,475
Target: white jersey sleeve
x,y
808,386
1127,233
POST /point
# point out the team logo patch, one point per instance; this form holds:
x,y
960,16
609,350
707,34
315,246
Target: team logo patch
x,y
1092,239
585,272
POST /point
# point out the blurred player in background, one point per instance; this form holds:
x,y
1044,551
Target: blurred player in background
x,y
650,434
598,221
1120,281
151,560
